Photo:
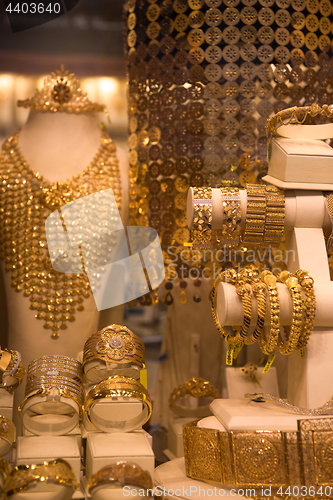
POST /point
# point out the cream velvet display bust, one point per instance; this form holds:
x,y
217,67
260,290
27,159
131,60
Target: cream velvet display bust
x,y
59,155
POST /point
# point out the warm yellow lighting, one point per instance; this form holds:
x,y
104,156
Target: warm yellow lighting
x,y
6,81
107,86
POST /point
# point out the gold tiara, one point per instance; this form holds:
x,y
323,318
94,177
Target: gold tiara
x,y
61,92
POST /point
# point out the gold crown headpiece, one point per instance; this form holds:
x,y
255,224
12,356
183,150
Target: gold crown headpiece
x,y
61,92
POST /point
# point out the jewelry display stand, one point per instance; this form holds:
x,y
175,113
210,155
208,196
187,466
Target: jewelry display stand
x,y
310,380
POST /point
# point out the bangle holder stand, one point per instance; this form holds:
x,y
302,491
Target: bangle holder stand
x,y
310,380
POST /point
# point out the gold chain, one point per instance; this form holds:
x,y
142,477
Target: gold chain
x,y
26,201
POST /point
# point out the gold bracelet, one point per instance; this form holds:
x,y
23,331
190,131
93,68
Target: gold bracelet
x,y
121,474
306,283
22,477
255,215
113,388
113,344
295,115
259,291
296,323
5,359
7,435
269,344
198,388
201,232
275,215
261,458
228,276
14,373
55,395
230,234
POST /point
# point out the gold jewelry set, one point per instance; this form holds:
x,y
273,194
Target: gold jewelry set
x,y
264,217
247,283
27,198
262,458
116,350
198,388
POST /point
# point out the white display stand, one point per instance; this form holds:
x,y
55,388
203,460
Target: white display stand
x,y
171,480
239,384
6,404
105,449
36,449
175,437
55,492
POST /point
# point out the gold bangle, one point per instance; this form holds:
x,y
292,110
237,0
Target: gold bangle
x,y
201,232
113,344
259,291
329,236
14,373
261,458
230,234
228,276
269,344
275,215
296,321
198,388
7,435
5,359
23,476
51,396
113,388
306,283
119,475
255,215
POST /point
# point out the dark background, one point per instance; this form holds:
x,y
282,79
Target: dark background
x,y
88,39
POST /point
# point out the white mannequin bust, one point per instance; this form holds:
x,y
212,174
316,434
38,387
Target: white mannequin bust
x,y
59,146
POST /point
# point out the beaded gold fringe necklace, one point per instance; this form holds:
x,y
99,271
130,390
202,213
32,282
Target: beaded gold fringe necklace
x,y
26,200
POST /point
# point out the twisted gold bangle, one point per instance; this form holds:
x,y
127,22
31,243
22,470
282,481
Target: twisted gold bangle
x,y
259,290
306,282
269,344
197,387
228,276
294,331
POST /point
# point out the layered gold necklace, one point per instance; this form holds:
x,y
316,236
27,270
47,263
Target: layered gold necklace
x,y
26,200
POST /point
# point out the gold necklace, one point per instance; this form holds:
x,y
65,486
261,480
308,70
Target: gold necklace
x,y
26,200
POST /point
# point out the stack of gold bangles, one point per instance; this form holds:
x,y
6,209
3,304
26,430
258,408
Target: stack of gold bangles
x,y
264,223
115,350
11,370
113,361
54,387
263,288
24,477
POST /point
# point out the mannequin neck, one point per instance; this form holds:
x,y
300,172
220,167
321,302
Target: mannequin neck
x,y
59,145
